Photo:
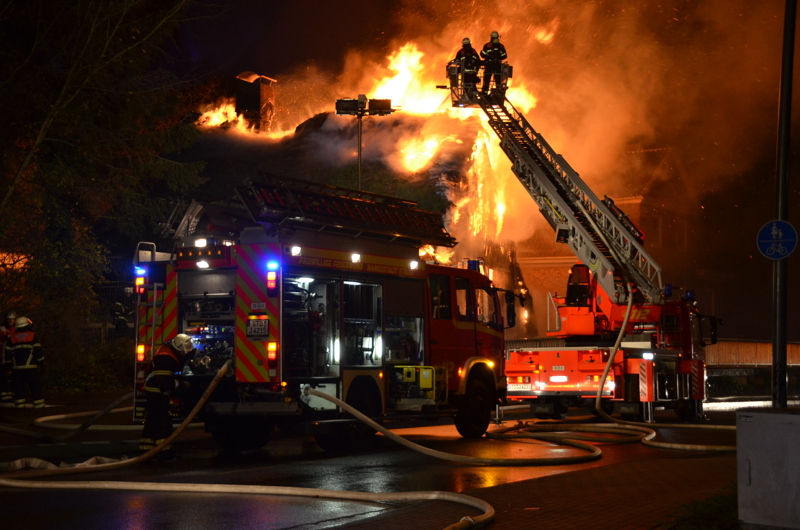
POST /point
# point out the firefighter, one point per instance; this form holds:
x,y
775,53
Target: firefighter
x,y
159,386
470,62
493,54
5,375
27,361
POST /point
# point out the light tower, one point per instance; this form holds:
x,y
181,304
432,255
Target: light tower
x,y
359,108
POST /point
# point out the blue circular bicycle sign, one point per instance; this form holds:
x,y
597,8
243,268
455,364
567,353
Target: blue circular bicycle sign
x,y
777,239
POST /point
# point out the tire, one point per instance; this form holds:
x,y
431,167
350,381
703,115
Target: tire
x,y
560,411
475,412
606,406
241,434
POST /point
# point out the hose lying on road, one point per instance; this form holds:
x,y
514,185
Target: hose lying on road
x,y
152,452
74,431
14,481
648,440
594,451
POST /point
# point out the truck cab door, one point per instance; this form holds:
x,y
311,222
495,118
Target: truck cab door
x,y
489,324
452,329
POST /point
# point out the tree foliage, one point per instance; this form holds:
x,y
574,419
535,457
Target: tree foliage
x,y
91,113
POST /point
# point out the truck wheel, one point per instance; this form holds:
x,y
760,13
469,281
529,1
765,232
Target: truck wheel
x,y
606,406
475,413
561,410
241,434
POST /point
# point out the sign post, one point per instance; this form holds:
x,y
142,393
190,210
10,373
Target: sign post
x,y
777,240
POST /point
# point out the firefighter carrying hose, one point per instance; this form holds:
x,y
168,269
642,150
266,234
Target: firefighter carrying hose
x,y
493,53
159,386
5,375
27,360
469,62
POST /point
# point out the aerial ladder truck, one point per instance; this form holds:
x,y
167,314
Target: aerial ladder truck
x,y
614,289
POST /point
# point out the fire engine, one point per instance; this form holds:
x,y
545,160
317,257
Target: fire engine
x,y
661,359
308,285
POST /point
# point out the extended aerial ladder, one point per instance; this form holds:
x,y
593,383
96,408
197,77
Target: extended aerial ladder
x,y
599,234
661,360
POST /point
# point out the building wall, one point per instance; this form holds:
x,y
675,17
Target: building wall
x,y
734,352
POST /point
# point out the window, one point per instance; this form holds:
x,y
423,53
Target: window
x,y
486,308
362,309
440,297
578,286
463,299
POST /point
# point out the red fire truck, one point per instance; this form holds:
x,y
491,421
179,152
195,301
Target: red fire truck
x,y
306,284
661,359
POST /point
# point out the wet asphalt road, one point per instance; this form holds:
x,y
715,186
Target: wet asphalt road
x,y
287,461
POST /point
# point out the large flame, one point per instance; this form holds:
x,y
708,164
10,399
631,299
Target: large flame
x,y
409,76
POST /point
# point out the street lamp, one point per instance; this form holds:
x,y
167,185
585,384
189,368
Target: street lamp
x,y
359,108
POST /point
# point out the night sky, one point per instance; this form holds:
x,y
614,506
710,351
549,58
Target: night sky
x,y
700,78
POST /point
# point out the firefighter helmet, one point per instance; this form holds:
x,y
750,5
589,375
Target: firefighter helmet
x,y
465,41
183,343
495,35
21,322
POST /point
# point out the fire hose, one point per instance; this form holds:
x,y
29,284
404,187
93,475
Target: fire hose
x,y
646,434
15,481
626,432
648,439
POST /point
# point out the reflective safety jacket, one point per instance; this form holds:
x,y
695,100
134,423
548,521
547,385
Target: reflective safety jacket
x,y
166,363
22,349
469,58
494,52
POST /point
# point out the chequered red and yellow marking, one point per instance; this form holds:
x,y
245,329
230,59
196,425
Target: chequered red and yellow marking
x,y
251,288
166,313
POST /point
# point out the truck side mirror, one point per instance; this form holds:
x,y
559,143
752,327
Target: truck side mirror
x,y
511,312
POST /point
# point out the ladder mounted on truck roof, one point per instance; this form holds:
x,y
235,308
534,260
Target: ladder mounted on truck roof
x,y
597,232
277,201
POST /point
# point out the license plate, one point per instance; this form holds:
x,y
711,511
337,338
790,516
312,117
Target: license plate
x,y
519,386
556,368
258,327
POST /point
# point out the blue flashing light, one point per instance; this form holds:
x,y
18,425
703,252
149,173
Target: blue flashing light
x,y
140,271
668,290
273,265
690,297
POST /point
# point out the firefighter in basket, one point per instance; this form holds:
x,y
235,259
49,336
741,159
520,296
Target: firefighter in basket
x,y
159,386
493,54
469,62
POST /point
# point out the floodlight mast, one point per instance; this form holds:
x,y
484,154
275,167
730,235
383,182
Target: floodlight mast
x,y
359,108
